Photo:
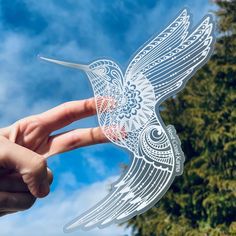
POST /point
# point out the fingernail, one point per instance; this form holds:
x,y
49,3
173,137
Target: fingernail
x,y
43,189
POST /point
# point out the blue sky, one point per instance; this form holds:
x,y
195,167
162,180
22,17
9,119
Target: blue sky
x,y
79,31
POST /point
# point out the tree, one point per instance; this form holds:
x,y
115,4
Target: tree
x,y
203,200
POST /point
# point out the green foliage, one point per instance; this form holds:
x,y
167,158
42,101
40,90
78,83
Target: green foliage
x,y
203,200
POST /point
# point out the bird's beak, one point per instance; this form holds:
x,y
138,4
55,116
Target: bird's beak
x,y
68,64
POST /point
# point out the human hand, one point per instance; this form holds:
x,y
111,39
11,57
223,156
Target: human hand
x,y
26,144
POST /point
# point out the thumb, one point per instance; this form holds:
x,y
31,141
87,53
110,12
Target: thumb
x,y
31,166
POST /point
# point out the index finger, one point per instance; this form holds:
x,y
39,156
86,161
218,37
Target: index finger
x,y
66,113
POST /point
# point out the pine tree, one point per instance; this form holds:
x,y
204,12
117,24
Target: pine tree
x,y
203,200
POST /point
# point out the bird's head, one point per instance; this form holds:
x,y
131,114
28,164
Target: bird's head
x,y
106,78
104,74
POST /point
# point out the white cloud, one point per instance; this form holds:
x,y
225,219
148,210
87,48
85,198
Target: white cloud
x,y
49,215
21,73
67,179
96,164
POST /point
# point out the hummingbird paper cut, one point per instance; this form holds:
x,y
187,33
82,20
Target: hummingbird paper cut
x,y
159,70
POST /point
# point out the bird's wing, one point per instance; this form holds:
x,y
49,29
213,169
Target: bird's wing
x,y
159,70
138,190
172,57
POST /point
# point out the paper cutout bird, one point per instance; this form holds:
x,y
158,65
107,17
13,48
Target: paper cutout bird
x,y
159,70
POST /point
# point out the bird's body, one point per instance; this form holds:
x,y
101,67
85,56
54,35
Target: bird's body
x,y
128,112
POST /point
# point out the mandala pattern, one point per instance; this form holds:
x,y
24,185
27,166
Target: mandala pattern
x,y
132,100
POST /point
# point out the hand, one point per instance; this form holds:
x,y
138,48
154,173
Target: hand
x,y
27,144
